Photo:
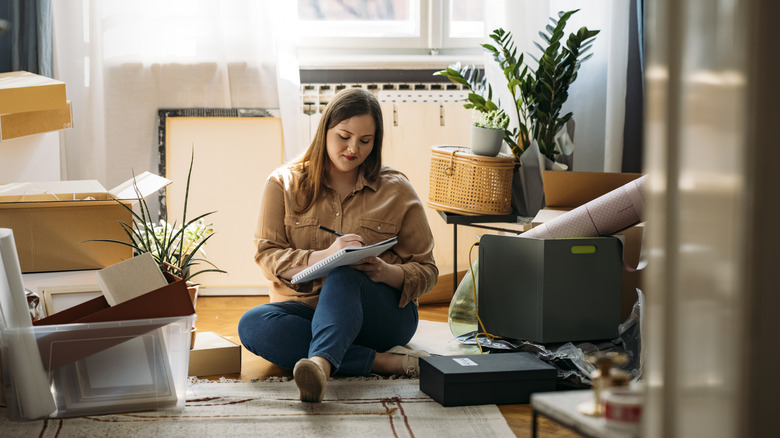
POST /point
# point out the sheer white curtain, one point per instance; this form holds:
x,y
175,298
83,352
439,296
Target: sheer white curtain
x,y
597,97
124,60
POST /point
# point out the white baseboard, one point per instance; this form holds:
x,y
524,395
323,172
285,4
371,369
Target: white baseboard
x,y
232,291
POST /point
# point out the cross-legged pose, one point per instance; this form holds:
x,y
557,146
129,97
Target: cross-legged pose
x,y
355,320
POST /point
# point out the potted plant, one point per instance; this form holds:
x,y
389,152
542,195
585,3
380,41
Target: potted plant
x,y
178,250
537,94
487,133
175,249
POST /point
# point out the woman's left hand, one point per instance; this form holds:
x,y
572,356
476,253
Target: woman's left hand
x,y
379,271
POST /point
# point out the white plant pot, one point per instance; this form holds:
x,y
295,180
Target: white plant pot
x,y
485,141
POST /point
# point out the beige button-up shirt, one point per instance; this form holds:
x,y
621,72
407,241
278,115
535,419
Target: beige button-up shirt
x,y
375,211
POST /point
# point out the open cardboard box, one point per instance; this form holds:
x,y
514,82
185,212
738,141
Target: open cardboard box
x,y
564,191
55,223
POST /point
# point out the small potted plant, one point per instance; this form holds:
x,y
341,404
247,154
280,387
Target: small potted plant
x,y
487,133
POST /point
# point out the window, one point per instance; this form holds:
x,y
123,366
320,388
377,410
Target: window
x,y
425,26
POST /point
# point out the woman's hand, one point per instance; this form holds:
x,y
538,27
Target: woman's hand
x,y
345,241
379,271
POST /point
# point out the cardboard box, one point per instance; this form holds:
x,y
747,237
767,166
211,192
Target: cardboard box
x,y
55,223
502,378
213,355
15,125
22,91
567,190
550,290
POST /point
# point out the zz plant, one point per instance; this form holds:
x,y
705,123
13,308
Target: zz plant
x,y
538,95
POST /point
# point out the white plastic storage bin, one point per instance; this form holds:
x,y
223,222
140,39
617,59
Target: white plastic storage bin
x,y
97,368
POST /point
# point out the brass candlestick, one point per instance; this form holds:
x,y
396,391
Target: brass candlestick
x,y
604,377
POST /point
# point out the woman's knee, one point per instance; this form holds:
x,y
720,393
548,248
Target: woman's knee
x,y
344,274
342,280
264,328
259,322
250,325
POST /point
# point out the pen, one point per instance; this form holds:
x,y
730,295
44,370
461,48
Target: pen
x,y
335,232
330,231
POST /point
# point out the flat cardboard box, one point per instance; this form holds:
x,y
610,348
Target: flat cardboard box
x,y
501,378
567,190
56,223
22,91
213,355
550,290
15,125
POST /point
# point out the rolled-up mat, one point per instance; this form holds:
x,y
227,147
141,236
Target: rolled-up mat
x,y
605,215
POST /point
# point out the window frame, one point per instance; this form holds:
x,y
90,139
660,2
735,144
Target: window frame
x,y
432,37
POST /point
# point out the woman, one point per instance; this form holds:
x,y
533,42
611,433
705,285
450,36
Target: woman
x,y
350,321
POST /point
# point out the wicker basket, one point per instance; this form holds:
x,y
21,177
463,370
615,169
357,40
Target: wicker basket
x,y
465,183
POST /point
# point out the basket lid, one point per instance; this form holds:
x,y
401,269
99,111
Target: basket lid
x,y
465,152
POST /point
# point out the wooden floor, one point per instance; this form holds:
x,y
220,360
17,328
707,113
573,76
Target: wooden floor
x,y
221,315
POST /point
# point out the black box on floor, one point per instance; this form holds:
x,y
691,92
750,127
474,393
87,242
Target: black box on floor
x,y
502,378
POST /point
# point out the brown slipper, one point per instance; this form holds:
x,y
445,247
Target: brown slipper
x,y
311,380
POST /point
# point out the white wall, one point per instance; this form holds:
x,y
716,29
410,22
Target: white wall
x,y
31,158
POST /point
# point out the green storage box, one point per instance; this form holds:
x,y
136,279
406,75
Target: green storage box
x,y
550,290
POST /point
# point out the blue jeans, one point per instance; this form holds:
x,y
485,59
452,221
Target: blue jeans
x,y
354,319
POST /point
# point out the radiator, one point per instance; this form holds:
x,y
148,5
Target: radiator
x,y
316,96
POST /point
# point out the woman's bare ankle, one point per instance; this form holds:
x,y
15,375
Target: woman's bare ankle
x,y
322,363
386,364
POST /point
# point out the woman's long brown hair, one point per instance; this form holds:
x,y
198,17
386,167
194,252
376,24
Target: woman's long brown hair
x,y
348,103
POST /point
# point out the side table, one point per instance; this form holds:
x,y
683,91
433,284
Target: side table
x,y
514,224
561,407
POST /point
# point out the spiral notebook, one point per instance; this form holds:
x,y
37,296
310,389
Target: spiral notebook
x,y
346,256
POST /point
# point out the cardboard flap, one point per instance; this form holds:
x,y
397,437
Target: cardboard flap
x,y
53,190
147,183
568,190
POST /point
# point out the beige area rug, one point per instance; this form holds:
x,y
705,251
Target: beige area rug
x,y
352,408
